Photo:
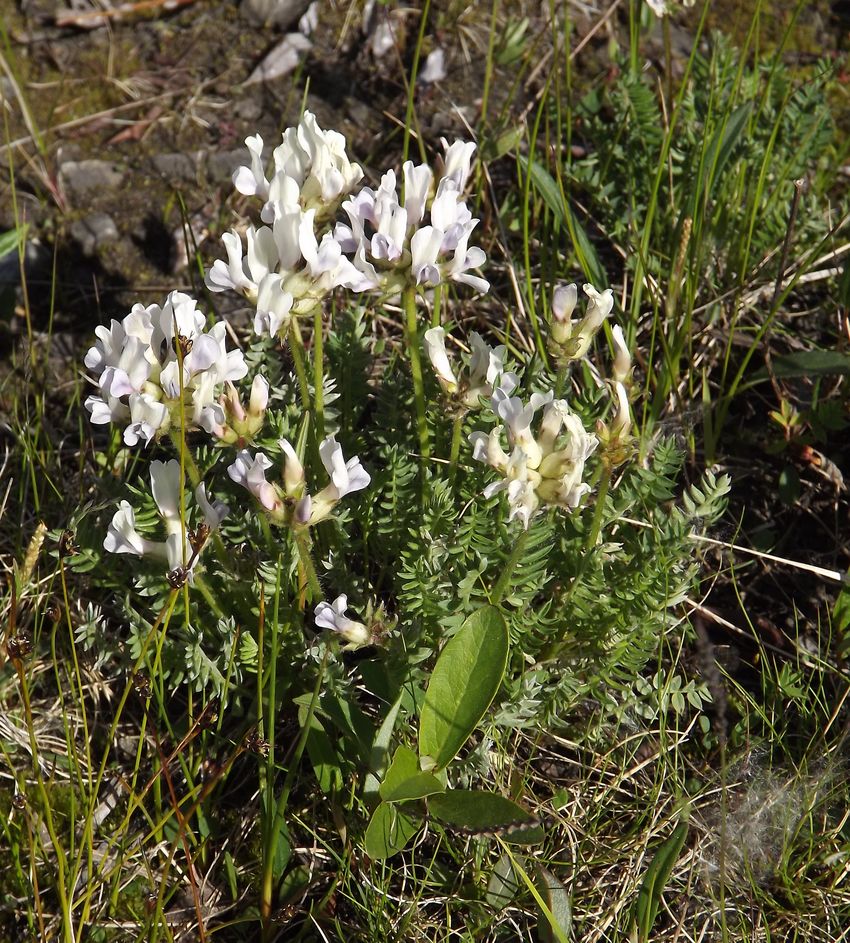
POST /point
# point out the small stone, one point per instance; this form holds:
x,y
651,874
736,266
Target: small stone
x,y
221,165
176,166
94,231
83,177
280,13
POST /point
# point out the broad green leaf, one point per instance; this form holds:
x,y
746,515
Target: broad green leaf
x,y
503,885
388,831
463,684
649,895
404,779
479,811
556,921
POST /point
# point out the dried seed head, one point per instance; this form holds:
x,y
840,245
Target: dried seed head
x,y
18,647
68,546
198,537
256,744
177,577
182,345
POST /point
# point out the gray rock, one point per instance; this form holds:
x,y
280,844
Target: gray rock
x,y
280,13
94,231
222,164
177,166
81,178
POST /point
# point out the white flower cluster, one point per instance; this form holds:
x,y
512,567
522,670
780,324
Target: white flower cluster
x,y
389,240
180,549
546,468
486,369
287,266
157,364
291,504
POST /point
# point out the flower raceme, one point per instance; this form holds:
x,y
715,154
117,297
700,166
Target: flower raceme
x,y
160,367
290,504
289,265
542,468
181,549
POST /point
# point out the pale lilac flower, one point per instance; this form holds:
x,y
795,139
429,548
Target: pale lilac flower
x,y
346,476
485,373
250,472
395,241
332,616
291,504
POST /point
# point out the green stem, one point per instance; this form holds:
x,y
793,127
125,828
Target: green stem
x,y
296,345
302,544
412,334
599,511
435,311
457,434
319,373
283,798
504,580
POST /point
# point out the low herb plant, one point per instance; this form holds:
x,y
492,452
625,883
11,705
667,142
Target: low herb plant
x,y
364,536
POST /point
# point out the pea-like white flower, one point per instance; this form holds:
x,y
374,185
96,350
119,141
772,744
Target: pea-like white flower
x,y
249,471
391,239
332,616
622,357
291,504
313,160
180,549
570,339
158,365
542,468
485,369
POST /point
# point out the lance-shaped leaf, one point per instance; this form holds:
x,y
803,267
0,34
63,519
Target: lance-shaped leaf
x,y
486,812
463,684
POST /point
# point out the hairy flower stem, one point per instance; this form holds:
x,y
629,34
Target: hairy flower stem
x,y
310,579
319,373
296,345
504,580
412,333
599,510
457,434
435,311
